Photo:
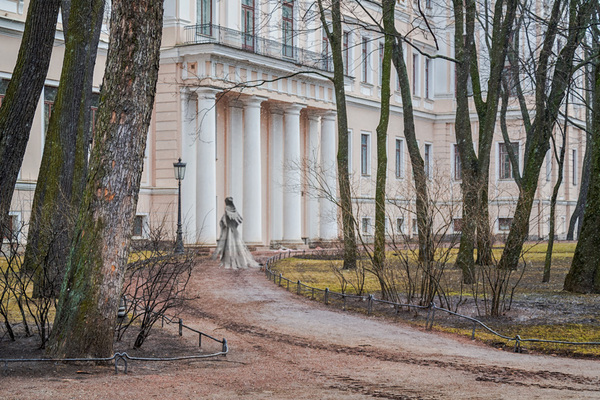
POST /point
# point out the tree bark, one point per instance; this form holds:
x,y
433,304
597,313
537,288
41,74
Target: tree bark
x,y
22,95
380,184
584,274
334,36
86,314
63,170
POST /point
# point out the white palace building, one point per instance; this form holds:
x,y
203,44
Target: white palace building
x,y
244,99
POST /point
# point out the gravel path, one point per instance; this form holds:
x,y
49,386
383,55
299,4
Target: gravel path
x,y
283,346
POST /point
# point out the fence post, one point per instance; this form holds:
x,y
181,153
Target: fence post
x,y
326,295
370,304
280,279
473,333
313,294
180,327
199,339
396,308
288,285
344,298
224,349
298,287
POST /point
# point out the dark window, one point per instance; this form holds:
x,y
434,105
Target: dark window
x,y
399,158
248,24
415,76
381,50
325,51
49,98
8,231
427,160
138,225
457,225
365,59
364,154
400,225
287,11
574,166
506,171
346,50
366,226
204,17
427,73
504,224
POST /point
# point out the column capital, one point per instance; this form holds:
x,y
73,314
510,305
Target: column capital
x,y
206,92
329,115
253,101
293,108
313,116
236,103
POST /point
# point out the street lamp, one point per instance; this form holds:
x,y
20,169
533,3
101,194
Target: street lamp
x,y
179,175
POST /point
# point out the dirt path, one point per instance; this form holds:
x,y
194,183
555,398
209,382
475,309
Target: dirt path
x,y
286,347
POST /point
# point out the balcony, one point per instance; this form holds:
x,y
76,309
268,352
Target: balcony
x,y
201,34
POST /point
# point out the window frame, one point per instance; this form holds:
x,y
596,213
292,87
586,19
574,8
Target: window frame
x,y
287,47
364,59
399,158
456,164
365,154
504,161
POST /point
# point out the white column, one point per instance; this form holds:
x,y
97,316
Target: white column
x,y
292,201
235,144
329,227
276,174
252,206
188,156
206,189
313,163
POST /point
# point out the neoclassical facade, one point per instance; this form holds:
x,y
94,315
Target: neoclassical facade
x,y
245,100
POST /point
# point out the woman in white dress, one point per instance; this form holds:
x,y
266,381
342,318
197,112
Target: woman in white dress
x,y
230,248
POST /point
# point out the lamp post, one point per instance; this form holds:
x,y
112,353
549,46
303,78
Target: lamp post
x,y
179,175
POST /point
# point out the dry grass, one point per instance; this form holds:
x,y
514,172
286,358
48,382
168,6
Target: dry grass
x,y
538,310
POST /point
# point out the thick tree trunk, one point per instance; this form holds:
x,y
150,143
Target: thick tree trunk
x,y
63,170
86,314
334,36
584,274
23,93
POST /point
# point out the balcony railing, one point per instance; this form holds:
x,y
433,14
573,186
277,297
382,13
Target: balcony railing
x,y
199,34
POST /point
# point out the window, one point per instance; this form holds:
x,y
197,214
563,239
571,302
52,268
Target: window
x,y
365,227
325,51
287,26
457,225
3,87
506,171
248,24
49,98
204,17
400,225
415,226
456,165
365,153
574,166
365,60
399,158
416,88
428,160
548,165
504,224
346,52
427,78
428,4
139,225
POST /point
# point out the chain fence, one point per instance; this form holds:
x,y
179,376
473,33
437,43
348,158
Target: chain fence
x,y
369,301
123,357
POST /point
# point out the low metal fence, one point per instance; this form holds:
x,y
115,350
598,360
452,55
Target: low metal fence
x,y
122,357
369,302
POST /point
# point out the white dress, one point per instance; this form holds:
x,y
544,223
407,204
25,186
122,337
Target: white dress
x,y
230,248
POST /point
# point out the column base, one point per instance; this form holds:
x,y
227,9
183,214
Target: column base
x,y
289,244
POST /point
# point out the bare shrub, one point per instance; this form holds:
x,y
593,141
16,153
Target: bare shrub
x,y
155,283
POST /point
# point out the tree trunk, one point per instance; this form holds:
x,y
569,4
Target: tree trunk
x,y
22,95
348,222
584,274
86,314
561,163
380,185
416,161
63,170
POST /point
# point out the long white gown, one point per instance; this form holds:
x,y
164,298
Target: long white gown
x,y
230,248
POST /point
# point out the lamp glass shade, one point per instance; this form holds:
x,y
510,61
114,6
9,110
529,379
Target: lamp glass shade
x,y
179,170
